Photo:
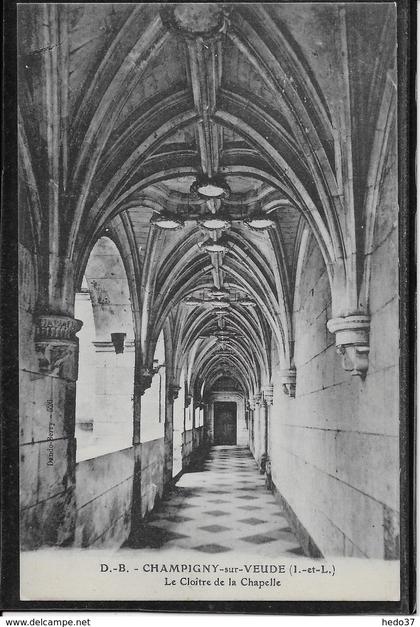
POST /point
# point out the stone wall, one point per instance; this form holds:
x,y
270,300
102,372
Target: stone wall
x,y
334,448
104,488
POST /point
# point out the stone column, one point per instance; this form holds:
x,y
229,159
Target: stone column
x,y
177,393
48,459
263,436
268,394
251,405
142,382
257,426
171,394
246,410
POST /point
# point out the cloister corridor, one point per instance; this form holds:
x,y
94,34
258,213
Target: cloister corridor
x,y
209,343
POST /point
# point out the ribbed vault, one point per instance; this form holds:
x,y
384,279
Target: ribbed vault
x,y
148,103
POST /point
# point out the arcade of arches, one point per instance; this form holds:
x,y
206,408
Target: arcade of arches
x,y
208,256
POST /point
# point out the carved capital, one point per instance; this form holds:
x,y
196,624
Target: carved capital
x,y
258,399
56,327
57,346
146,376
188,399
157,366
268,394
354,359
352,342
173,391
288,381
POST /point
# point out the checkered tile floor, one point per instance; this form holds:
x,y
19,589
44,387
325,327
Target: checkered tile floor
x,y
223,507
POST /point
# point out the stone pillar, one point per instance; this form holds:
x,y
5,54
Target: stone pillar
x,y
246,410
257,426
251,405
142,381
48,457
268,394
169,421
251,429
263,436
352,342
178,416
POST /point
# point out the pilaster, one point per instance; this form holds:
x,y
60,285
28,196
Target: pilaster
x,y
48,460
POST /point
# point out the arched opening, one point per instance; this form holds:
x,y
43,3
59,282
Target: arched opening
x,y
225,427
104,392
226,416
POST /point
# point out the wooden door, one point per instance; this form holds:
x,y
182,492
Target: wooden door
x,y
225,423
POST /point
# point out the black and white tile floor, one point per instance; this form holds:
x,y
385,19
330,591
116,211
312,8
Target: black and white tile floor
x,y
223,507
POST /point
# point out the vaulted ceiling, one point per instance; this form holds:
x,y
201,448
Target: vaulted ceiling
x,y
123,106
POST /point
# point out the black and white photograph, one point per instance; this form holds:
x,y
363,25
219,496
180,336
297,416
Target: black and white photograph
x,y
209,301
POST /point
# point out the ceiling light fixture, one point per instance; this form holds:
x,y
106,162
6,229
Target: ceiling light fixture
x,y
219,305
167,220
214,222
213,302
259,221
220,334
212,246
219,292
210,187
247,302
